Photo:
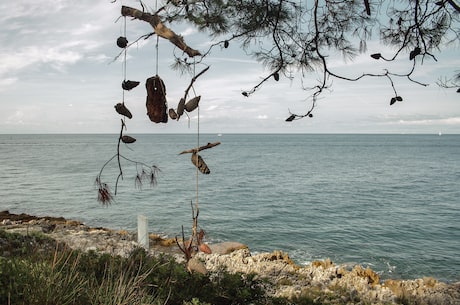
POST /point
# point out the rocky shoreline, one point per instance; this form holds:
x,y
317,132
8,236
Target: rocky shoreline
x,y
347,284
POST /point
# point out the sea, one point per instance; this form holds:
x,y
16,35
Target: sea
x,y
388,202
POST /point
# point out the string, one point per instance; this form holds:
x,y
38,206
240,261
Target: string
x,y
157,54
198,137
124,59
157,43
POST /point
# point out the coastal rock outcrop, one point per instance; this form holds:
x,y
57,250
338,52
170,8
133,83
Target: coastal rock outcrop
x,y
324,281
320,281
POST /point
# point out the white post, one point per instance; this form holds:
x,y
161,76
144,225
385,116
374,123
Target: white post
x,y
142,231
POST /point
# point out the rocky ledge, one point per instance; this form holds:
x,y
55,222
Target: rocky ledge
x,y
321,281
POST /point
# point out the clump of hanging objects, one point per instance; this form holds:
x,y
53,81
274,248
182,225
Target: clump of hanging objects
x,y
144,171
197,160
191,104
195,243
158,112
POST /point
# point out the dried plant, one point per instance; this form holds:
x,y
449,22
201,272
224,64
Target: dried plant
x,y
104,195
194,244
145,173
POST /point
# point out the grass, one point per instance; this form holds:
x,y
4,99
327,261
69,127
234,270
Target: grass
x,y
38,270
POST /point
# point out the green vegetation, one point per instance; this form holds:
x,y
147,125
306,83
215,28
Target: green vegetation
x,y
38,270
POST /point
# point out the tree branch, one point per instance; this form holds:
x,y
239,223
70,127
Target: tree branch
x,y
160,29
193,80
454,5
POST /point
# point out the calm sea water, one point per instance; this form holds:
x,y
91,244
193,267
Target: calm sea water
x,y
391,202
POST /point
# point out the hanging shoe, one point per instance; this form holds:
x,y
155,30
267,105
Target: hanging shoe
x,y
128,139
121,109
172,114
129,84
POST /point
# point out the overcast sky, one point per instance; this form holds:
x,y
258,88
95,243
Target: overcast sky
x,y
57,75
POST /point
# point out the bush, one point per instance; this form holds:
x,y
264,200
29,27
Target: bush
x,y
55,275
28,282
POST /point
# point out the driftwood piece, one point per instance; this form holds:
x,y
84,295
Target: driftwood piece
x,y
195,150
156,100
160,29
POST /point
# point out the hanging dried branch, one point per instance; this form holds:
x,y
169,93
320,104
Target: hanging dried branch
x,y
197,160
144,171
454,5
160,29
195,150
192,104
368,7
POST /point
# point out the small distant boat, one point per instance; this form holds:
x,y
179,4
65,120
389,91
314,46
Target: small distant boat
x,y
219,134
439,133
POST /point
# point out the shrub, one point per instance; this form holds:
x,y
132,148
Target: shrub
x,y
55,275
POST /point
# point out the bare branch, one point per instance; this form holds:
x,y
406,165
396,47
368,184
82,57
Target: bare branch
x,y
454,5
160,29
195,150
193,80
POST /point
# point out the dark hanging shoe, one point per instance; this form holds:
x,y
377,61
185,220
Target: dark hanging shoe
x,y
129,84
121,109
172,114
128,139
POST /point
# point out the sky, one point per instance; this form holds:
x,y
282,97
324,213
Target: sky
x,y
58,74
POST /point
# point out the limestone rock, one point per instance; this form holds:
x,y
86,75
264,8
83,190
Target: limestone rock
x,y
195,265
324,264
327,282
227,247
372,277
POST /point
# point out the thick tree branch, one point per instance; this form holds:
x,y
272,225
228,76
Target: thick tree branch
x,y
160,29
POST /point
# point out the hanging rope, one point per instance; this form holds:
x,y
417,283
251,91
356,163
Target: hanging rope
x,y
157,54
157,43
198,136
124,60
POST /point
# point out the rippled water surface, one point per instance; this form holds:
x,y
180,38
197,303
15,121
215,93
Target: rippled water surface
x,y
391,202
